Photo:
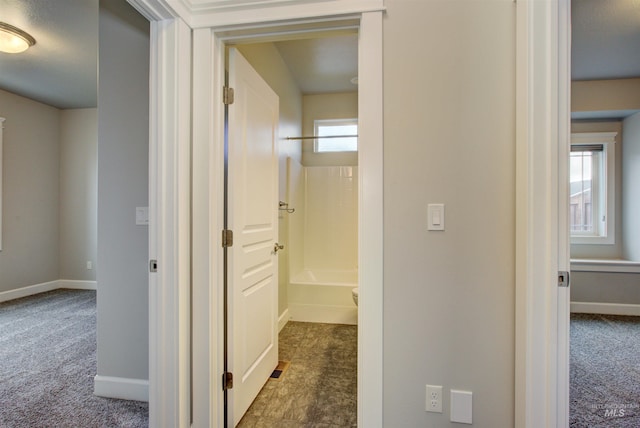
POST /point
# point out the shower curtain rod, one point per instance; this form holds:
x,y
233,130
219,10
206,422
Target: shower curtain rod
x,y
313,137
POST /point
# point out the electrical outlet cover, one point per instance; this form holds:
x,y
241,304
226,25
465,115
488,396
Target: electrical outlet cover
x,y
434,399
462,406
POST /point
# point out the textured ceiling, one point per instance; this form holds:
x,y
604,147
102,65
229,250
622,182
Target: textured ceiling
x,y
324,64
61,70
605,39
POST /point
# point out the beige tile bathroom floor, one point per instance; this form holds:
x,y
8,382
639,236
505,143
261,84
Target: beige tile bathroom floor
x,y
319,388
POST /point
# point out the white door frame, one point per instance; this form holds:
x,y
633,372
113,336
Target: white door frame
x,y
169,215
564,256
541,110
209,53
185,199
542,139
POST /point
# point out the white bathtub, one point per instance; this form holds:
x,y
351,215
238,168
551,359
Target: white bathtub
x,y
347,278
323,296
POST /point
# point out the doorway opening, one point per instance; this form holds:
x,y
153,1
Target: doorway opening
x,y
604,245
317,216
207,126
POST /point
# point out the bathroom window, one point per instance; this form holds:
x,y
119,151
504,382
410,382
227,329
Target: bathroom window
x,y
592,188
342,135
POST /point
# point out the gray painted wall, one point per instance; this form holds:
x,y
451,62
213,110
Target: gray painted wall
x,y
605,287
631,187
611,287
78,193
449,137
123,122
30,192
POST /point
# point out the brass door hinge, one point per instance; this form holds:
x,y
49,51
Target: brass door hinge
x,y
227,380
227,238
227,96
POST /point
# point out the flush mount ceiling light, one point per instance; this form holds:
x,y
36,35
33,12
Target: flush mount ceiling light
x,y
13,39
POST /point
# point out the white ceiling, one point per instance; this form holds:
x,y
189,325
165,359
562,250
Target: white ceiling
x,y
324,64
61,69
605,39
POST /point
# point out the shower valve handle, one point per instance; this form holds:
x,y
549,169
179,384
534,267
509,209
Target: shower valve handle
x,y
277,247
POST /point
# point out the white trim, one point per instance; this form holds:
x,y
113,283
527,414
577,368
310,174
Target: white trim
x,y
75,284
606,231
157,399
46,286
207,220
28,291
210,60
593,137
157,10
370,221
324,313
120,387
605,308
562,355
593,265
370,161
283,319
210,14
167,340
542,104
169,214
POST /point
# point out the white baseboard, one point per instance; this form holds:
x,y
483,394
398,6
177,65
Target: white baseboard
x,y
283,320
324,314
614,266
28,291
120,387
47,286
77,284
605,308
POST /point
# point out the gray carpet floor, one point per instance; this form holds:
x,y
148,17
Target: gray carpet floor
x,y
48,362
605,371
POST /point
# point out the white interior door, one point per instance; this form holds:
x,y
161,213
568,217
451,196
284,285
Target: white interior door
x,y
253,218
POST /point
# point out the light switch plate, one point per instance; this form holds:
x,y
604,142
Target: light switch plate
x,y
142,216
435,214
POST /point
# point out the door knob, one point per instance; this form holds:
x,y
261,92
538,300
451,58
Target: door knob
x,y
277,247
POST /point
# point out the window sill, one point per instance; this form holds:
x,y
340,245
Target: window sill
x,y
592,240
605,265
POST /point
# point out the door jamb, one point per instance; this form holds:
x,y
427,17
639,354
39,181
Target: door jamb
x,y
209,61
169,215
171,400
564,256
542,114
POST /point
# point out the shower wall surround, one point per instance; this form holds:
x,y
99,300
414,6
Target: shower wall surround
x,y
323,242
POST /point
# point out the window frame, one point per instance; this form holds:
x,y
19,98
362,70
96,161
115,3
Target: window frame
x,y
602,190
332,122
